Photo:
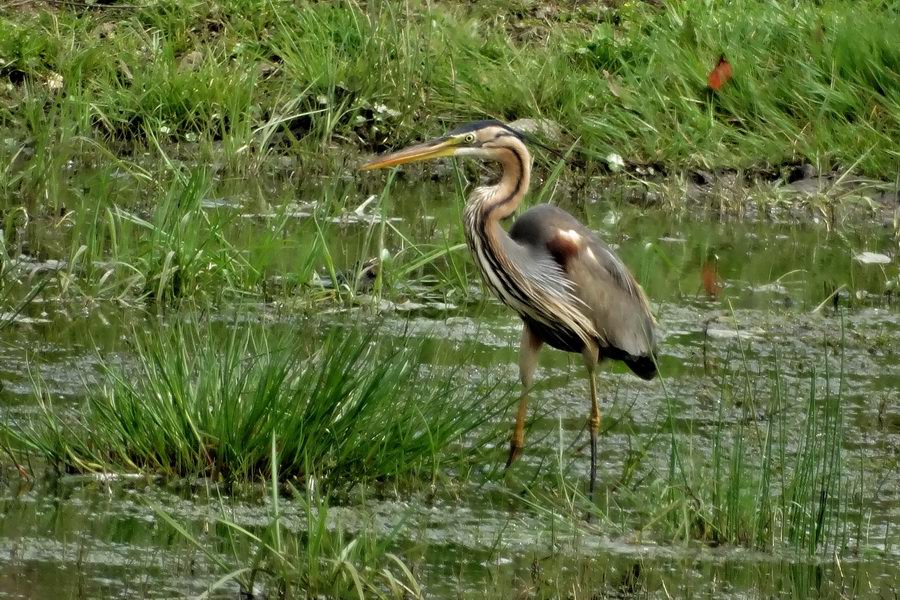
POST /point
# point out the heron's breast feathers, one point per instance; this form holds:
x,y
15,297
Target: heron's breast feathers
x,y
556,299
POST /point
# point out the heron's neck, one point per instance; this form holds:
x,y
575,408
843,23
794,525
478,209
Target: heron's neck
x,y
487,240
488,205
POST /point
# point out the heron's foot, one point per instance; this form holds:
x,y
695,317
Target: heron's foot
x,y
515,449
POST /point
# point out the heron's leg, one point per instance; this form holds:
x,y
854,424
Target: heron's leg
x,y
591,360
528,357
595,430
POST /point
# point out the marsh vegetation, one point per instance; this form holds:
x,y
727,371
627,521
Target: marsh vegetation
x,y
231,364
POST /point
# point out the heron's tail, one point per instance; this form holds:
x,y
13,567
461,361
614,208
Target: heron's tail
x,y
642,366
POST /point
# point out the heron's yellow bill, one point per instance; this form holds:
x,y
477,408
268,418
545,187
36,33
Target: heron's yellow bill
x,y
433,149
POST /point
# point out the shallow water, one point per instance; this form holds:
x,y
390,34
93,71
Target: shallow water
x,y
736,301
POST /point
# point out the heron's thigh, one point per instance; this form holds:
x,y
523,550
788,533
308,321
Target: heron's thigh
x,y
529,350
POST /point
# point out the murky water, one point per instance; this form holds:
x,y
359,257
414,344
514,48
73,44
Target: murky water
x,y
736,303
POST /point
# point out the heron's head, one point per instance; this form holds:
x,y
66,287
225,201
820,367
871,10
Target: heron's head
x,y
483,139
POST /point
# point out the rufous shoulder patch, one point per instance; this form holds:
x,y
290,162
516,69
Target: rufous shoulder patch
x,y
564,245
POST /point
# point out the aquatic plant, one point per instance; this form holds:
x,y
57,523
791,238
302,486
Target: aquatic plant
x,y
320,560
774,475
198,403
764,486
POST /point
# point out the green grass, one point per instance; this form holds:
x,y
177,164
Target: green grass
x,y
200,403
762,487
163,247
244,79
117,124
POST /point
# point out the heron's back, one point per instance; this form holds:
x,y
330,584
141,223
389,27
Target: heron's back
x,y
608,293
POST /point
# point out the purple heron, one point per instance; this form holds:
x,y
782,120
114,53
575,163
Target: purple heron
x,y
570,289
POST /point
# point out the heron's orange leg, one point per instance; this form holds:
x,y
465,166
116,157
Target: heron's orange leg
x,y
528,357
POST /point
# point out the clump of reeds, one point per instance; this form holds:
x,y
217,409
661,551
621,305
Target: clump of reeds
x,y
767,483
203,403
765,469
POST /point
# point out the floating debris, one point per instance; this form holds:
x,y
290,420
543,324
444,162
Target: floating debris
x,y
770,288
409,306
731,334
104,477
35,267
442,306
302,210
872,258
360,214
7,317
220,203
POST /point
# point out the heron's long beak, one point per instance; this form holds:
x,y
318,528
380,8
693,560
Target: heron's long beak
x,y
445,146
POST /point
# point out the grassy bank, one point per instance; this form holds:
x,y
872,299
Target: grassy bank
x,y
239,81
126,129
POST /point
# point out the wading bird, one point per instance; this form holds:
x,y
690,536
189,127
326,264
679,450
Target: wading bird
x,y
571,291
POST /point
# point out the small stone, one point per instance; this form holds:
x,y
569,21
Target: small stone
x,y
105,30
730,334
265,68
614,161
548,129
190,61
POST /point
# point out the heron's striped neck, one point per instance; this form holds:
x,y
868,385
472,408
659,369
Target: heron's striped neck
x,y
490,246
498,201
486,207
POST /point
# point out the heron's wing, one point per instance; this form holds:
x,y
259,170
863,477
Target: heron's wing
x,y
541,269
546,293
612,298
618,305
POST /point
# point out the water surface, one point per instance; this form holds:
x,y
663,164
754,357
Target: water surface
x,y
736,302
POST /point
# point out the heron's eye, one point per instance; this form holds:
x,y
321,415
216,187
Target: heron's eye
x,y
470,138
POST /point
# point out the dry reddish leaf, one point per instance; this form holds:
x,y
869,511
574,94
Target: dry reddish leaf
x,y
720,74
